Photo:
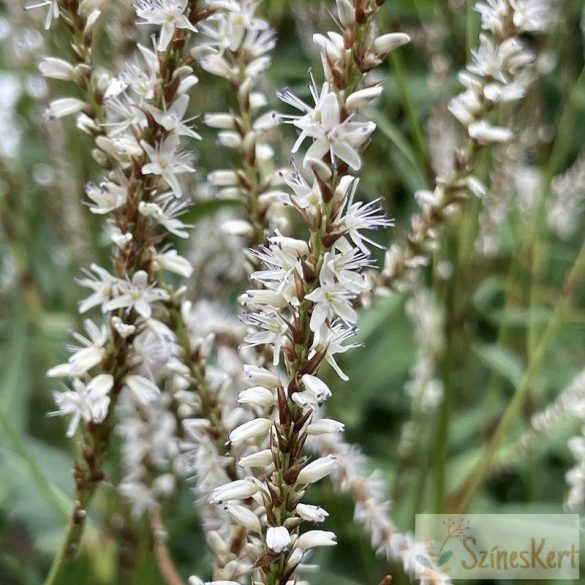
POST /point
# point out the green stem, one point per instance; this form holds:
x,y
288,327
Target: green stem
x,y
411,114
482,468
536,234
73,533
442,430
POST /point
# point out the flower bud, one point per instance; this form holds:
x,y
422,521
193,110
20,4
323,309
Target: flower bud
x,y
64,107
174,263
388,42
223,178
250,430
324,426
317,469
317,387
240,489
314,538
362,97
258,459
222,121
244,516
311,513
257,395
278,539
56,68
237,227
346,12
258,376
484,132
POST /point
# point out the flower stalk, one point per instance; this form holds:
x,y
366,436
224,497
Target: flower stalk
x,y
136,119
302,308
501,72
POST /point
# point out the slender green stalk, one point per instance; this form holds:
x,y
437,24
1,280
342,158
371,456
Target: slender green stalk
x,y
481,470
536,234
411,114
441,437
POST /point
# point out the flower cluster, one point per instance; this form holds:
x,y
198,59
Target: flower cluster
x,y
569,405
237,48
500,72
424,388
301,310
138,132
568,200
137,118
207,417
576,475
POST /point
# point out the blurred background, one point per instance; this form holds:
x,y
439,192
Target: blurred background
x,y
468,336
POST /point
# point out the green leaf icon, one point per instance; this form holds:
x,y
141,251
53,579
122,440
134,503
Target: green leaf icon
x,y
444,557
424,561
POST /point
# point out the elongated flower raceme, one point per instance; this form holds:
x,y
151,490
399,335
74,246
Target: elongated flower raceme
x,y
242,41
500,72
137,118
302,309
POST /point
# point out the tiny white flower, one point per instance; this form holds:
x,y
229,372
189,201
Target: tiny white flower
x,y
86,401
278,539
56,68
262,458
240,489
317,470
244,516
102,283
168,14
386,43
314,538
168,161
324,426
311,513
52,12
64,107
144,389
173,262
331,300
257,395
90,354
165,212
250,430
137,294
107,197
171,119
258,376
332,341
485,132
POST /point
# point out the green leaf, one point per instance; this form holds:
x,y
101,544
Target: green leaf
x,y
444,557
521,317
501,360
397,139
14,381
24,461
424,561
